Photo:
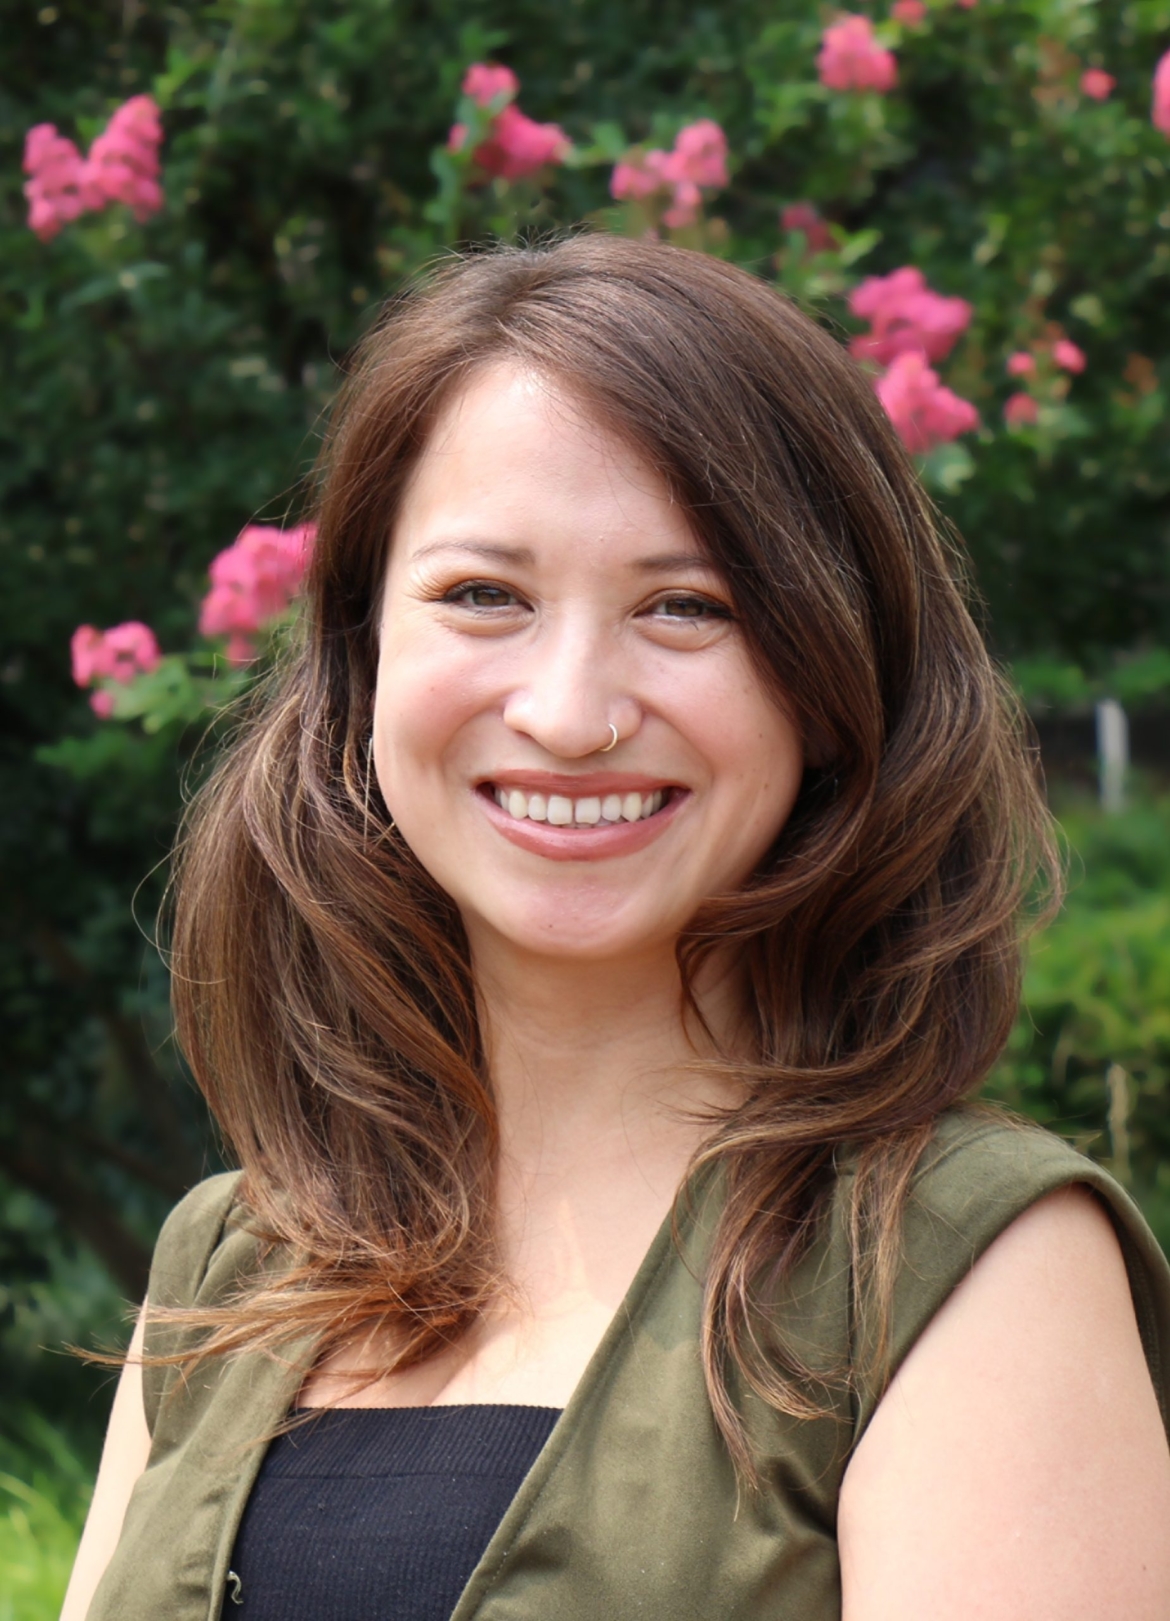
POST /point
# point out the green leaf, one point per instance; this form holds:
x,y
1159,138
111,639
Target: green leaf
x,y
946,467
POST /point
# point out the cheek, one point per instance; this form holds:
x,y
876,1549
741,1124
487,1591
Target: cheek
x,y
753,744
420,703
758,752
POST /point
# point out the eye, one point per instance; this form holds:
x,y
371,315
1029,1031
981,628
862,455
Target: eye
x,y
688,606
481,595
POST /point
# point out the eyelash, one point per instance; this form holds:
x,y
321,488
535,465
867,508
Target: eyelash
x,y
463,592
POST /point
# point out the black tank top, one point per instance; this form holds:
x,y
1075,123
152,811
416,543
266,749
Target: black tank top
x,y
378,1514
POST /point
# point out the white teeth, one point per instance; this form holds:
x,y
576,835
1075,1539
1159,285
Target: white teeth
x,y
560,811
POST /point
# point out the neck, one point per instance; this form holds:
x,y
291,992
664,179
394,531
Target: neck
x,y
599,1058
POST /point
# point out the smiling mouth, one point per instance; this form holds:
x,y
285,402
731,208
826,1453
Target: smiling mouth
x,y
592,811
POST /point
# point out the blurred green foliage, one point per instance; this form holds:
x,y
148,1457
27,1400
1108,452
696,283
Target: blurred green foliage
x,y
45,1487
1090,1055
166,383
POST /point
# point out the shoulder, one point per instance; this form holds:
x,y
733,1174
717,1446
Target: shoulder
x,y
980,1175
190,1236
202,1251
1023,1419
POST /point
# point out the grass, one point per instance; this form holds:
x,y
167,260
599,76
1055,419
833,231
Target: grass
x,y
44,1493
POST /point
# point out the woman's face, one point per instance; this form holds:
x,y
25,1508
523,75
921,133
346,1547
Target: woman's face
x,y
542,588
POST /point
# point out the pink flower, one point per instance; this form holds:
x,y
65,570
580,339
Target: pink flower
x,y
923,411
128,649
804,217
1021,364
1067,356
122,165
700,154
55,168
638,180
1160,112
908,11
850,58
252,582
484,81
85,648
1095,82
112,655
641,177
684,209
518,146
698,158
1020,408
906,316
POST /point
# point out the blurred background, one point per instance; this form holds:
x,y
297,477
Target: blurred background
x,y
203,208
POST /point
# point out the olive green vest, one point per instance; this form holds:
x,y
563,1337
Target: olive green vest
x,y
632,1508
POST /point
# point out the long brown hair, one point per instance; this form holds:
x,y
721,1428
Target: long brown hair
x,y
322,985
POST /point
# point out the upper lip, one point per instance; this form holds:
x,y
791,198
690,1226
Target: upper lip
x,y
579,787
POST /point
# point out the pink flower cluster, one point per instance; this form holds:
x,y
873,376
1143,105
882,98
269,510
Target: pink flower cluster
x,y
55,168
1160,112
905,316
252,582
910,12
804,217
1062,352
850,58
122,167
112,655
911,325
516,145
922,409
697,159
1065,354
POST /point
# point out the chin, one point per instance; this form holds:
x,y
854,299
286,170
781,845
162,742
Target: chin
x,y
570,929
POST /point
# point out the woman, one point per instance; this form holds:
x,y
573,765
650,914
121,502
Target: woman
x,y
586,948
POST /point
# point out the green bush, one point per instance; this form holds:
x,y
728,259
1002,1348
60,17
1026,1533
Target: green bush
x,y
1090,1055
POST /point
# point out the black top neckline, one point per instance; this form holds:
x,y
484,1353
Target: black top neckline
x,y
437,1407
362,1512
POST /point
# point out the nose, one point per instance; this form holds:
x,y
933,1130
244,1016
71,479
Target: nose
x,y
574,687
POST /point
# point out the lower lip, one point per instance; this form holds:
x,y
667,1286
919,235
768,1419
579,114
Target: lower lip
x,y
582,843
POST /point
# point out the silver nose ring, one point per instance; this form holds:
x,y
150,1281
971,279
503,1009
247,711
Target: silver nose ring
x,y
613,740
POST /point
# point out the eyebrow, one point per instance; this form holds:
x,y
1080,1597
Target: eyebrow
x,y
524,557
521,556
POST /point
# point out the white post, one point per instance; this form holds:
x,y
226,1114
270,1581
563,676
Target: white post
x,y
1117,1085
1112,753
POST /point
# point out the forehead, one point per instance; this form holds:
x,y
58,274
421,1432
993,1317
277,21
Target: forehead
x,y
515,457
